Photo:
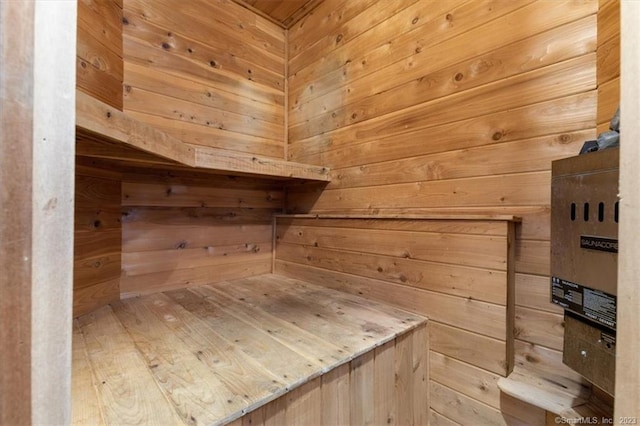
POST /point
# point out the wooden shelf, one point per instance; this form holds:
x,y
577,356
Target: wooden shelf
x,y
107,132
569,400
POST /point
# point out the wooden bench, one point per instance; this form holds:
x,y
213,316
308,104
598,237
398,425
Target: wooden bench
x,y
272,349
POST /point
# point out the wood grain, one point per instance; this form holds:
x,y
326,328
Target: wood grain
x,y
486,353
479,251
99,63
97,239
627,369
480,131
447,107
85,408
216,70
451,280
335,396
472,381
183,228
212,354
129,392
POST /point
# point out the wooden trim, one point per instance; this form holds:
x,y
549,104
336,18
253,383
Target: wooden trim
x,y
286,95
37,173
273,244
16,48
431,216
511,295
627,402
227,161
53,210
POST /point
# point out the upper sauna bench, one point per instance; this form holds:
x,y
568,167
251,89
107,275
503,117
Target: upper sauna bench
x,y
107,132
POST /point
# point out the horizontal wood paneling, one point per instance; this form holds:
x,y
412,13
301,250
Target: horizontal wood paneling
x,y
534,291
99,64
461,249
608,62
418,270
208,73
578,75
97,238
375,94
446,107
428,276
520,123
183,228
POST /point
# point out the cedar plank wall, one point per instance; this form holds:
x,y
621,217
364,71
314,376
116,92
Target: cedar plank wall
x,y
448,106
99,66
608,61
208,72
97,237
184,228
453,271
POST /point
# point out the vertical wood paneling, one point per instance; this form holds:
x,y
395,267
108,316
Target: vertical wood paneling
x,y
336,409
362,394
384,377
99,64
208,73
461,109
385,386
183,228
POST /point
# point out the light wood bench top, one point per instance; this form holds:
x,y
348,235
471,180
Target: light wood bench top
x,y
210,354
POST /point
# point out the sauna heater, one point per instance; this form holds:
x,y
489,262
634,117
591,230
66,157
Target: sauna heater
x,y
584,258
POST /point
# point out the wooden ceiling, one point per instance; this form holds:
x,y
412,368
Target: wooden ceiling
x,y
284,12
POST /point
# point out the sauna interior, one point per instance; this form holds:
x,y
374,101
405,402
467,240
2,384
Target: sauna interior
x,y
308,212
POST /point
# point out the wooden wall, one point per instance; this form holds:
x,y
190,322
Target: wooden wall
x,y
608,55
99,65
456,272
448,106
209,73
385,386
97,237
183,228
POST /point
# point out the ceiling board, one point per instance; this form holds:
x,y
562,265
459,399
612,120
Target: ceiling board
x,y
284,12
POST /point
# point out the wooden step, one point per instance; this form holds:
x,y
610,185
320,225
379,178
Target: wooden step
x,y
563,398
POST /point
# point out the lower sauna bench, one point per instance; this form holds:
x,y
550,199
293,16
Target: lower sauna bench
x,y
253,351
